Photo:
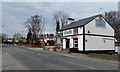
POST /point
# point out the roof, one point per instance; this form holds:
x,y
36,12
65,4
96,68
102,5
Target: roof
x,y
80,23
71,19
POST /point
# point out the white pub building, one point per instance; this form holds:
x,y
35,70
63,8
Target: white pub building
x,y
88,34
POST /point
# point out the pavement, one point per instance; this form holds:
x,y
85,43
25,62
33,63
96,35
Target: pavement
x,y
38,59
11,63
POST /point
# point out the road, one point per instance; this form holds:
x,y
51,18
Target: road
x,y
45,60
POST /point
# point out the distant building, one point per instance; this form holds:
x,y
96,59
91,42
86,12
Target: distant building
x,y
119,5
17,37
49,39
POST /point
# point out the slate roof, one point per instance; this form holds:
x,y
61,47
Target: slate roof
x,y
80,23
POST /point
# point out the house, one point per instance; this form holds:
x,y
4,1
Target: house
x,y
117,46
49,39
88,34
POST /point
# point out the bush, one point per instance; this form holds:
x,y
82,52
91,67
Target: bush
x,y
20,42
27,42
51,42
37,43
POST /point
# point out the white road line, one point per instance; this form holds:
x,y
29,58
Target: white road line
x,y
81,65
36,48
88,67
19,61
38,54
6,53
92,68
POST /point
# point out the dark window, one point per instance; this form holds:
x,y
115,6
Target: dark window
x,y
88,31
75,31
68,32
104,41
75,43
100,23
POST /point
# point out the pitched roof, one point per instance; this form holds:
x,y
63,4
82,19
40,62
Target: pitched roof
x,y
81,22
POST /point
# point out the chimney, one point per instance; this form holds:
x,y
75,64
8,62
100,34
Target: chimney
x,y
70,20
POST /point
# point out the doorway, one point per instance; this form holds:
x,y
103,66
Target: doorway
x,y
67,43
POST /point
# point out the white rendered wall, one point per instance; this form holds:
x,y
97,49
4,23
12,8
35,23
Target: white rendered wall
x,y
64,44
99,30
99,43
80,30
80,42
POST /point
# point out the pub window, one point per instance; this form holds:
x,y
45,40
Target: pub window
x,y
75,31
67,31
75,43
100,23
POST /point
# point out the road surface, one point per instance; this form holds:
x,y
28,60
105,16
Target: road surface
x,y
45,60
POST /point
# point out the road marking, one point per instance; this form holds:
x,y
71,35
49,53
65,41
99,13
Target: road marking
x,y
6,53
80,65
19,61
38,54
91,67
88,67
38,49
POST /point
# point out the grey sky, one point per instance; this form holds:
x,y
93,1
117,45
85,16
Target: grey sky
x,y
14,14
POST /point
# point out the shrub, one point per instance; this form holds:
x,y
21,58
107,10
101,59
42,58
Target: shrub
x,y
37,43
20,42
27,42
51,42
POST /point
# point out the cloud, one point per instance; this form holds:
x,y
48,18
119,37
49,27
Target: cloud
x,y
60,0
16,13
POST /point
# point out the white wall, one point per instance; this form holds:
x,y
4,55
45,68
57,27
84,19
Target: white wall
x,y
80,30
80,42
97,43
64,44
99,30
117,49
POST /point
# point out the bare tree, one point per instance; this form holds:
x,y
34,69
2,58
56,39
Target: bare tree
x,y
60,19
35,25
17,36
113,17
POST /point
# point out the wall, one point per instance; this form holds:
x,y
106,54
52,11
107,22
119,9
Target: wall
x,y
117,49
99,30
99,43
64,44
80,30
80,42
